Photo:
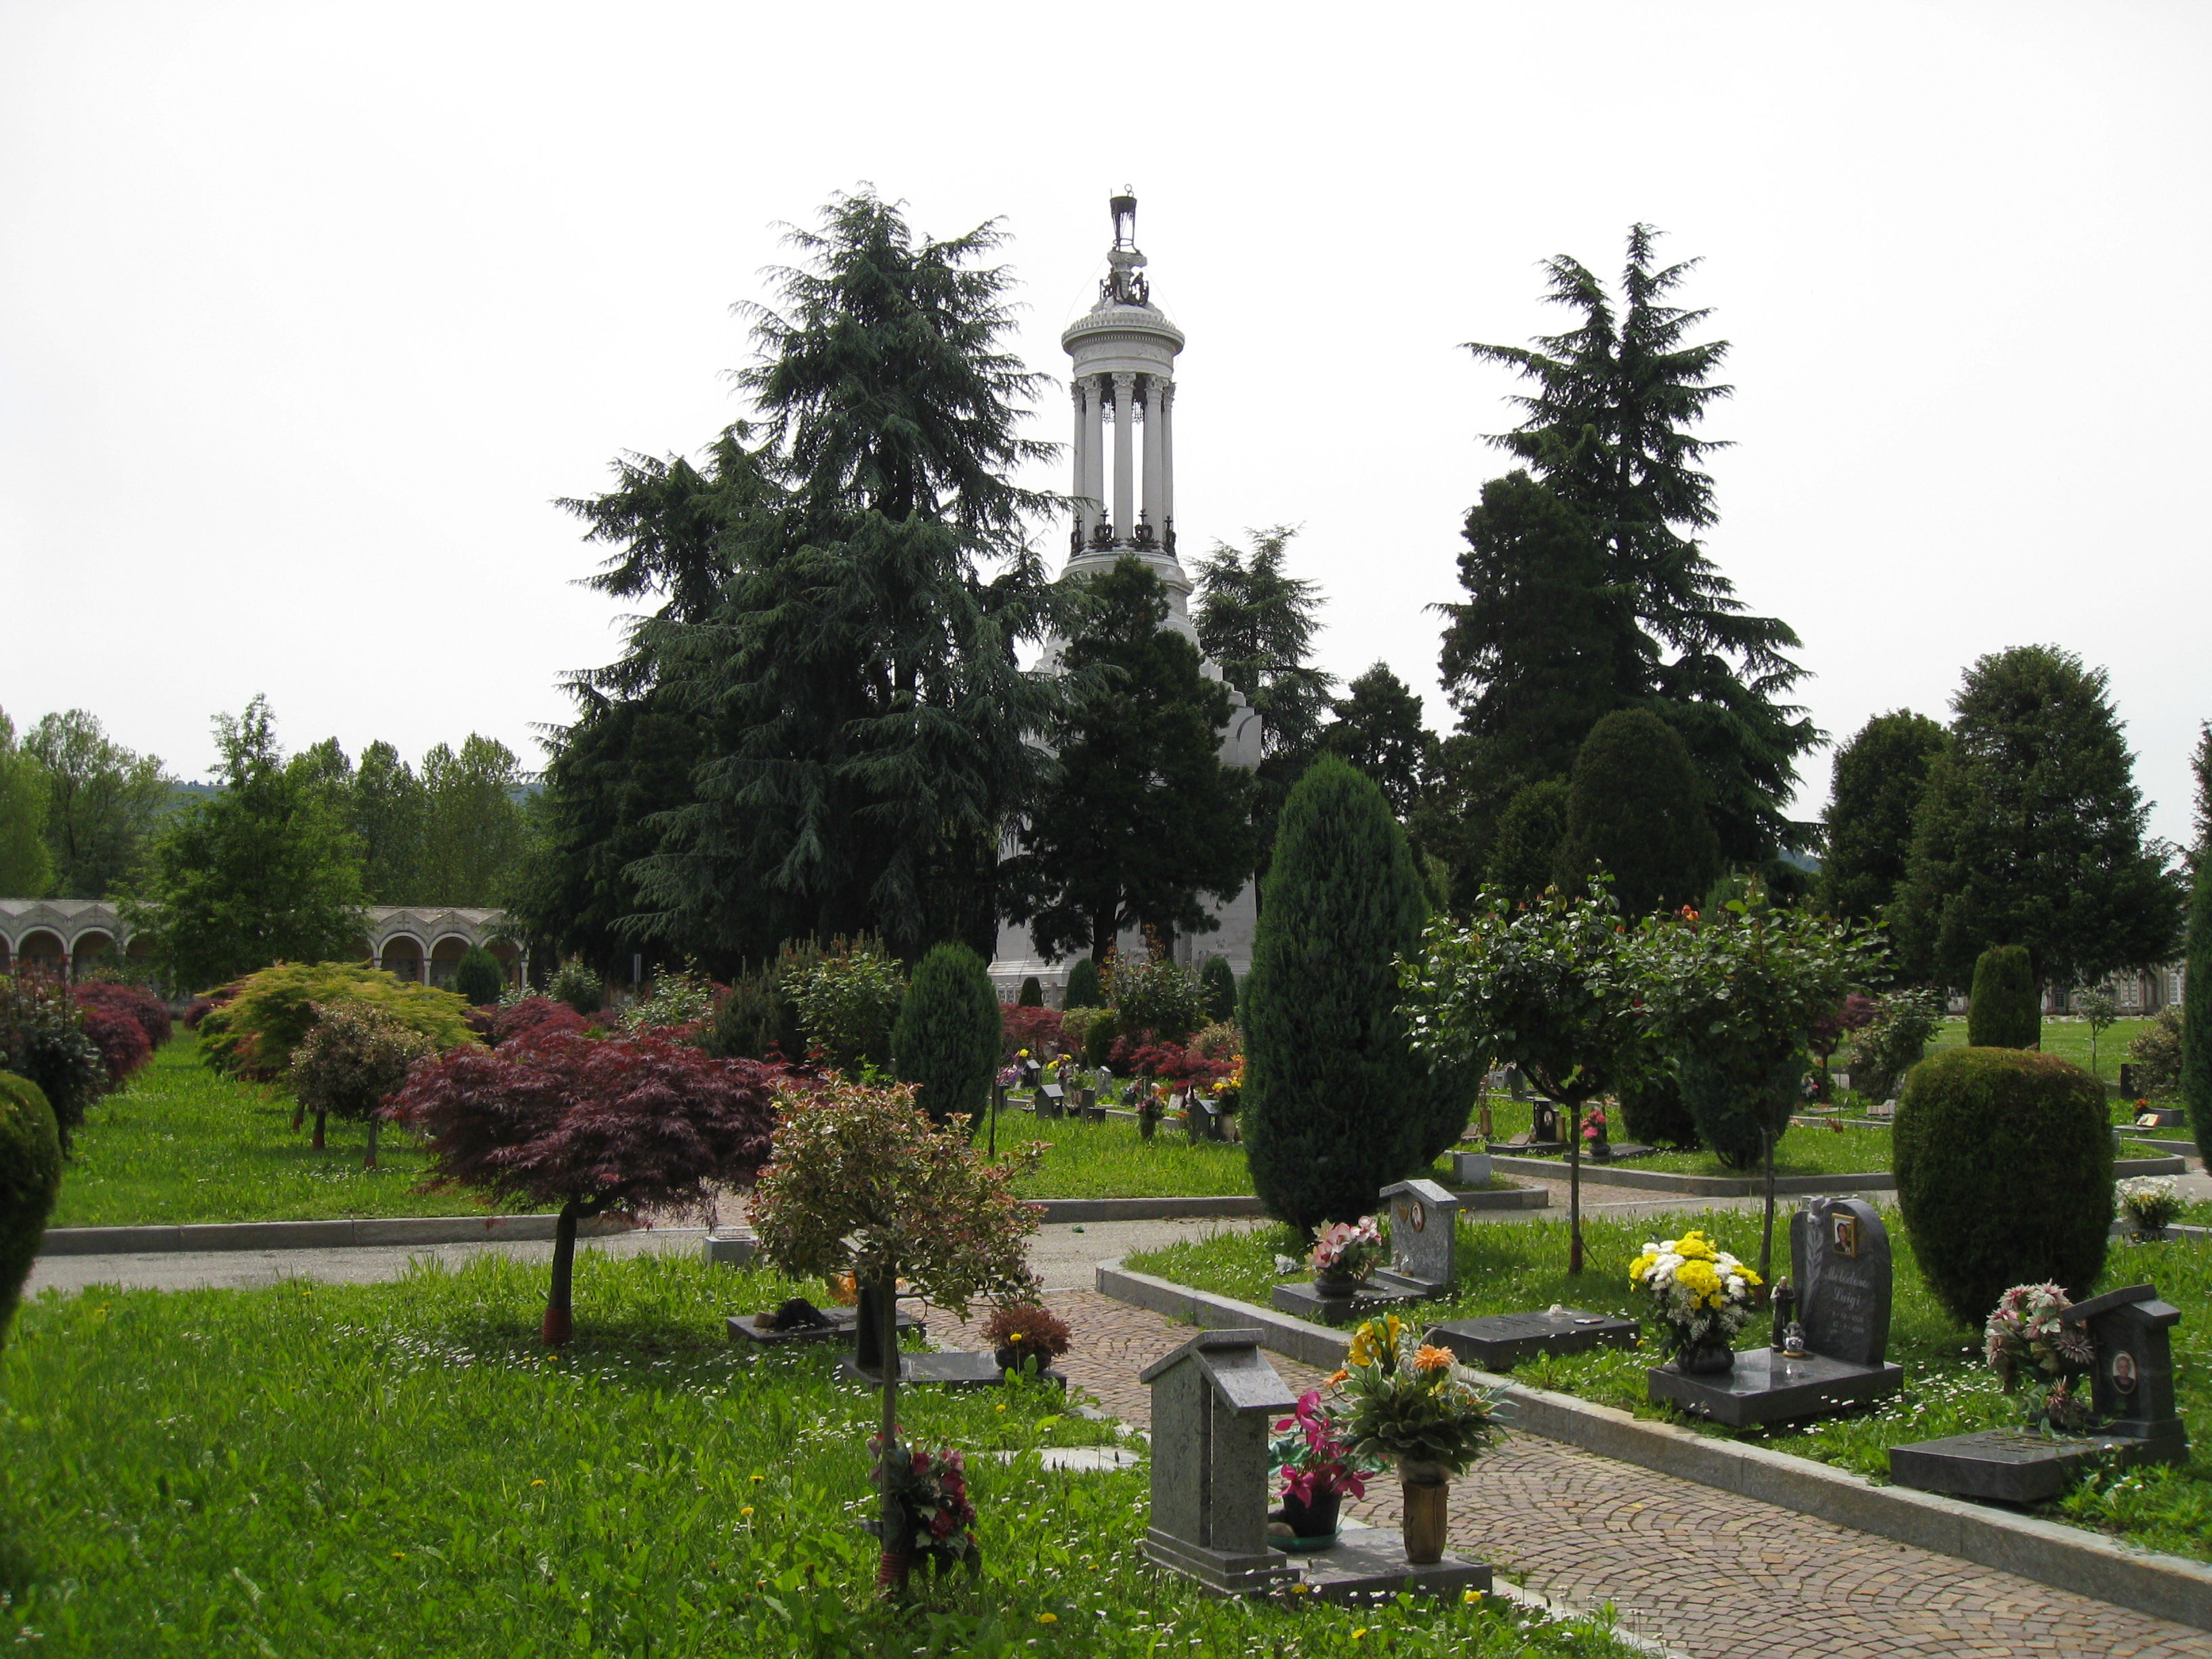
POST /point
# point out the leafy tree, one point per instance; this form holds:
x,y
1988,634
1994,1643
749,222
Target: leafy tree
x,y
30,1182
27,868
2097,1009
1145,823
870,731
352,1059
2197,984
477,977
1608,430
103,802
946,1040
1547,986
1377,728
473,823
385,810
1879,779
263,870
1635,809
1153,995
1336,1103
1524,854
597,1125
2032,832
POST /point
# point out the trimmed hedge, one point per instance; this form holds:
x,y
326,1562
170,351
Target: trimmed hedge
x,y
30,1179
2004,1173
1654,1112
1731,1107
2002,1011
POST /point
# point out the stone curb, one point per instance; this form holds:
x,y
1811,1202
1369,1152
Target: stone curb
x,y
1147,1209
2045,1552
316,1235
1662,1180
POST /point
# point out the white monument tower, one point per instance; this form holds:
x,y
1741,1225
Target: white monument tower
x,y
1122,381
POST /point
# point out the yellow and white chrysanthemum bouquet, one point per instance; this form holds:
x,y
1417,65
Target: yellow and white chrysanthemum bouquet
x,y
1701,1294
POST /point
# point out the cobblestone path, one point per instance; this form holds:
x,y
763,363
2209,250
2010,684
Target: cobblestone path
x,y
1708,1573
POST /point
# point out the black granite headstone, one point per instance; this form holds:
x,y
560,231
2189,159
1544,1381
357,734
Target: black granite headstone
x,y
1840,1257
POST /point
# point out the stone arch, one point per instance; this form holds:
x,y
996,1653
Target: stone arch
x,y
445,957
41,948
510,959
89,948
403,954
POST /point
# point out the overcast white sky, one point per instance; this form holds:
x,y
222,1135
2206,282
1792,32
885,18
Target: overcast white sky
x,y
308,311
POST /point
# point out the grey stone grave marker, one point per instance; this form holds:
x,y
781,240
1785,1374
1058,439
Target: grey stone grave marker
x,y
1471,1168
1500,1340
1051,1101
1213,1399
1424,1227
1839,1258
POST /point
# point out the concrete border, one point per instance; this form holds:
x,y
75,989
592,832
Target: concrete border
x,y
1665,1180
2045,1552
317,1234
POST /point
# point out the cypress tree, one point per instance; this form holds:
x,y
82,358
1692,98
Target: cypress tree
x,y
1635,808
2003,1011
1084,990
1530,832
948,1033
1031,995
479,977
1336,1103
1218,980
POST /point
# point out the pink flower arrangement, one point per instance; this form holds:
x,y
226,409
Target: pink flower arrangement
x,y
1348,1246
1312,1457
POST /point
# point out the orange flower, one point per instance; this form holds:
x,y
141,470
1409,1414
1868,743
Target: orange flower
x,y
1338,1375
1429,1358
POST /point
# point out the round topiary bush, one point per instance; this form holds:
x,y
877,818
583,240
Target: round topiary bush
x,y
479,977
1735,1106
1653,1112
2004,1172
1031,995
2002,1011
1084,988
30,1179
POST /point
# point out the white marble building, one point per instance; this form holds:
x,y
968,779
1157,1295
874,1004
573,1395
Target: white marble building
x,y
1122,382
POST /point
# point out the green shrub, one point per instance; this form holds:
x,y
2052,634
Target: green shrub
x,y
2196,1007
352,1059
1336,1105
1652,1111
1527,845
2003,1010
30,1179
42,1038
574,983
1084,989
947,1036
479,977
1221,1041
1031,995
1098,1037
1154,993
1636,807
253,1034
1895,1042
2155,1054
680,998
1732,1104
1217,981
847,998
2004,1174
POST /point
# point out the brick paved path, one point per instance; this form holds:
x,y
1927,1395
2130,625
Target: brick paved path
x,y
1757,1582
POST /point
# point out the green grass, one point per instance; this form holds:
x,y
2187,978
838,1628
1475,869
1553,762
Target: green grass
x,y
184,1143
398,1470
2066,1036
1112,1160
1514,1266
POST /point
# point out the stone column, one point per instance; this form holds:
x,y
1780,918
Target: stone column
x,y
1094,483
1080,454
1164,402
1125,409
1154,447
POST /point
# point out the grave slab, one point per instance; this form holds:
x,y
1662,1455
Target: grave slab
x,y
945,1370
1380,1293
742,1328
2007,1465
1501,1340
1765,1388
1370,1562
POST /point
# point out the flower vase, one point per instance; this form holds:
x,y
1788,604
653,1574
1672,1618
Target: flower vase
x,y
1336,1281
1427,1491
1314,1522
1706,1358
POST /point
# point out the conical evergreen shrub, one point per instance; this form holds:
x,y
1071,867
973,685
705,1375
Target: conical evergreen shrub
x,y
2002,1011
1031,995
479,977
1084,990
947,1035
1636,807
1218,981
1336,1105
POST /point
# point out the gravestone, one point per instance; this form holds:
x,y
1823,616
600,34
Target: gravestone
x,y
1840,1259
1544,1134
1213,1399
1052,1101
1471,1168
955,1370
1501,1341
1424,1229
733,1249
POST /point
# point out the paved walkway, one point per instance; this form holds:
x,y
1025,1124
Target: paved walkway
x,y
1707,1572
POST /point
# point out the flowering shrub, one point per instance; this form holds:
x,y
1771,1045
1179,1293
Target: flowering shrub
x,y
1037,1030
2025,1335
1221,1041
534,1017
1401,1398
1701,1294
135,1000
1311,1455
2149,1202
1348,1248
681,1002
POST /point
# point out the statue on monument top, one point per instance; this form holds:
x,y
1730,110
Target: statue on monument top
x,y
1125,285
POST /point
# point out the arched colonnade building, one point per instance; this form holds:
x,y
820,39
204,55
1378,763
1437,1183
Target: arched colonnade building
x,y
71,938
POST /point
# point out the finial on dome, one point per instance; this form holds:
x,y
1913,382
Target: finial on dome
x,y
1125,286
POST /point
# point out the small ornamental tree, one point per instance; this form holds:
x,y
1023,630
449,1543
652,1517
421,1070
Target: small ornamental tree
x,y
30,1180
1547,986
2099,1012
860,1181
120,1039
479,977
2002,1011
252,1034
42,1038
352,1061
596,1126
1217,981
1082,986
946,1041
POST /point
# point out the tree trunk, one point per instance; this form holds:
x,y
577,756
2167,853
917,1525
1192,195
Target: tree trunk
x,y
298,1116
1574,1186
890,1573
319,1120
1766,1232
559,1323
369,1162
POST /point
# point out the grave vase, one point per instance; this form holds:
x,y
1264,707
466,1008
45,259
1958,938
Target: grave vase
x,y
1427,1489
1708,1358
1316,1520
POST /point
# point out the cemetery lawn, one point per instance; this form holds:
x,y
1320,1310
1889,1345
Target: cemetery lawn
x,y
399,1468
2064,1035
1518,1265
183,1143
1112,1160
1814,1147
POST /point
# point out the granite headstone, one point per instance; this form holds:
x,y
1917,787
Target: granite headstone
x,y
1213,1399
1840,1253
1424,1228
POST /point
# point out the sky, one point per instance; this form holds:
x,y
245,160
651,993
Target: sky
x,y
309,313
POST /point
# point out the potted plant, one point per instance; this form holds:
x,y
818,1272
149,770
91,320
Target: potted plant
x,y
1344,1254
1701,1296
1319,1471
2150,1205
1025,1336
2025,1335
1401,1400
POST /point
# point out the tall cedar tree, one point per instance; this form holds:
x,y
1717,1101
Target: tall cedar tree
x,y
103,802
2031,833
1634,809
1377,727
1336,1103
1879,776
2197,984
1146,823
264,870
1608,431
946,1039
1257,621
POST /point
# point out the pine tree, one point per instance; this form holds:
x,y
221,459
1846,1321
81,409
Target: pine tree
x,y
1879,776
1336,1105
947,1036
1635,810
1377,728
2031,832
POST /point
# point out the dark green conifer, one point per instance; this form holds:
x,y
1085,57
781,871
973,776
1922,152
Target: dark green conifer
x,y
1085,989
2004,1010
948,1033
1636,809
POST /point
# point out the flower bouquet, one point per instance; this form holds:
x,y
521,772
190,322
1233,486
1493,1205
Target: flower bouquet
x,y
1400,1398
2150,1203
1345,1254
938,1520
1319,1471
1701,1296
2025,1335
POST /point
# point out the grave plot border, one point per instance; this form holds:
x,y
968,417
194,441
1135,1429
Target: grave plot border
x,y
2045,1552
1751,1185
